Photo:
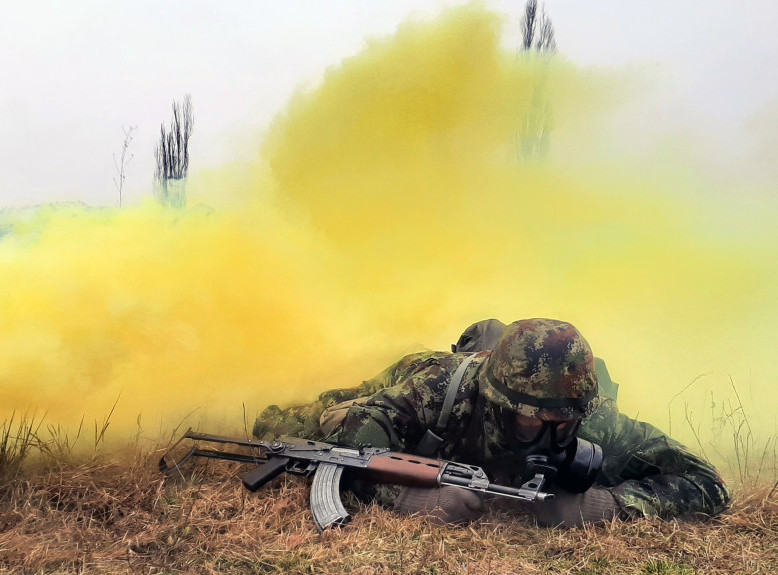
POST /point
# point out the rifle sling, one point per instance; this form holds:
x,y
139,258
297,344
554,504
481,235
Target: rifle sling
x,y
431,442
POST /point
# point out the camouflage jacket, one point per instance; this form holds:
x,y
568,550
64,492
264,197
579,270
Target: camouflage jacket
x,y
648,472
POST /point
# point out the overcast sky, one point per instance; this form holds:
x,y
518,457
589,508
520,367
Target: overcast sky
x,y
74,73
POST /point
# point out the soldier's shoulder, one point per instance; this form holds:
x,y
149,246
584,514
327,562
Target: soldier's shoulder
x,y
424,356
602,420
434,372
420,360
604,404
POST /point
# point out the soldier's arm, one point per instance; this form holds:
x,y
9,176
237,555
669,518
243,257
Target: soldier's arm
x,y
650,473
399,371
397,416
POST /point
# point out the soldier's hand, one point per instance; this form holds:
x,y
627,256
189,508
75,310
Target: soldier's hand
x,y
442,505
571,509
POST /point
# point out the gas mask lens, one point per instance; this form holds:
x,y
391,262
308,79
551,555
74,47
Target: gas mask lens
x,y
526,430
551,435
564,432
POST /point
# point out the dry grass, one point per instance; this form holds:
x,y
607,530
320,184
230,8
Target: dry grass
x,y
126,518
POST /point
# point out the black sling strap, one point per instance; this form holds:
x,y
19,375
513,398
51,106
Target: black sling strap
x,y
431,442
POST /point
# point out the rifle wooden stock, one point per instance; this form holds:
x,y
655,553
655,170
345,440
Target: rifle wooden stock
x,y
404,469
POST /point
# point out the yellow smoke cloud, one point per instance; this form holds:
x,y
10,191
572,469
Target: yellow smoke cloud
x,y
390,208
168,311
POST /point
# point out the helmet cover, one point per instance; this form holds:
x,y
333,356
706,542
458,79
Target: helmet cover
x,y
541,366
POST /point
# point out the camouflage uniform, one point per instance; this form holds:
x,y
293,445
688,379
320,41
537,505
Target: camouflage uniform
x,y
647,472
303,420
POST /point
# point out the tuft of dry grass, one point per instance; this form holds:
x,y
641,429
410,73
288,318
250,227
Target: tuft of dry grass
x,y
18,438
126,518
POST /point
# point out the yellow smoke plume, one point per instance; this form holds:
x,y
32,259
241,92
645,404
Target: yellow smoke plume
x,y
391,206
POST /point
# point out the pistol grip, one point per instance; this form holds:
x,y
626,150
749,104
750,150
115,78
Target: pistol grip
x,y
274,467
326,506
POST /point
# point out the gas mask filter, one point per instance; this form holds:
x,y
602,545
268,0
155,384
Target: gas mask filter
x,y
556,453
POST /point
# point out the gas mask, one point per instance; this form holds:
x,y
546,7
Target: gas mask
x,y
553,450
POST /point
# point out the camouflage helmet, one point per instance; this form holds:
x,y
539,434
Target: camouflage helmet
x,y
541,365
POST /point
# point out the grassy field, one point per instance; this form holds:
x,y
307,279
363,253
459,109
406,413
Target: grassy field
x,y
126,518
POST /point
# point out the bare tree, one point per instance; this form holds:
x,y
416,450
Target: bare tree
x,y
528,24
172,155
121,164
545,40
537,32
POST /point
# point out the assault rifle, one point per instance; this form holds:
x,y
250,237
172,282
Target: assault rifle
x,y
327,462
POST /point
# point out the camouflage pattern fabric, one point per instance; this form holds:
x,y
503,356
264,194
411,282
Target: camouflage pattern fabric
x,y
303,420
299,420
606,386
650,473
538,363
647,472
485,334
329,409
